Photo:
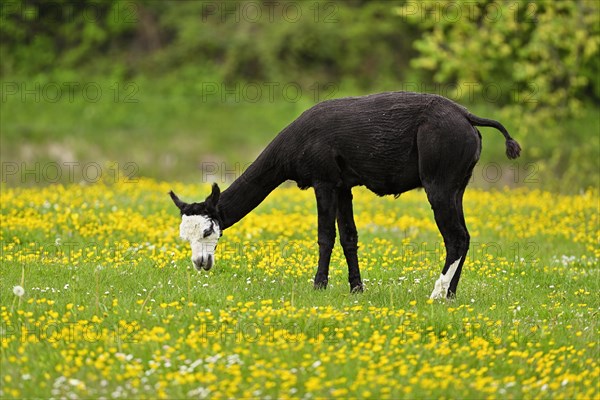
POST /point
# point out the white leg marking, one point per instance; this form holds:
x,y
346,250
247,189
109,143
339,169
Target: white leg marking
x,y
440,290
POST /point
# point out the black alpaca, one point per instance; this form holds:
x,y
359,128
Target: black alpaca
x,y
390,143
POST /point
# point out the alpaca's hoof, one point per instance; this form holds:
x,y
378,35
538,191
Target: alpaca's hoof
x,y
320,285
357,288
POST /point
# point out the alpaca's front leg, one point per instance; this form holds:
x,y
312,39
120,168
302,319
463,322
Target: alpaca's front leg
x,y
327,210
349,238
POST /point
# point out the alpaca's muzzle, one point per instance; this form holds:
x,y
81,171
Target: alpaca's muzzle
x,y
203,262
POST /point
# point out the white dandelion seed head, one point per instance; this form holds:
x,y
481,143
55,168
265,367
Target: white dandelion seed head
x,y
18,290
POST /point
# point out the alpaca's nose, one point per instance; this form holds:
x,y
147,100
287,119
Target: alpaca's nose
x,y
204,261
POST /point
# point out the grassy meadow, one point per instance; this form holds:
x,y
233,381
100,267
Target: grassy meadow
x,y
113,308
169,130
108,105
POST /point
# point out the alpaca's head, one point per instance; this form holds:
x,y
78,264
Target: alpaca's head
x,y
200,226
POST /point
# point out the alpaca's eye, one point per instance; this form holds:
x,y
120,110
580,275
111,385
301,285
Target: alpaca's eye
x,y
209,231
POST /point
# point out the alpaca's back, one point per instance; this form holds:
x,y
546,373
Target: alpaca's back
x,y
369,140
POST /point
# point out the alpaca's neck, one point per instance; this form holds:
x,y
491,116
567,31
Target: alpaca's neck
x,y
251,188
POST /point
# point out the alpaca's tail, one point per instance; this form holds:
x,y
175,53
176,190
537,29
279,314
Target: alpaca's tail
x,y
513,150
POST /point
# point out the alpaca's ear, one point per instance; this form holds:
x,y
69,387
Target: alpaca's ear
x,y
213,199
180,204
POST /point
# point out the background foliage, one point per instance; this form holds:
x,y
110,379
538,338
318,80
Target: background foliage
x,y
532,65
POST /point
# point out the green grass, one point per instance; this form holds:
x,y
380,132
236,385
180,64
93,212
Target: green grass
x,y
524,323
172,129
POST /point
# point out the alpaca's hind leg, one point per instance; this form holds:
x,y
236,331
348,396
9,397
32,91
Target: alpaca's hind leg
x,y
456,239
449,148
461,217
327,209
349,238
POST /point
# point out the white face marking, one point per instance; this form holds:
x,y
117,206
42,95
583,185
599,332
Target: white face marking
x,y
440,290
192,229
